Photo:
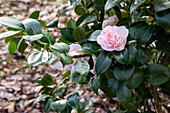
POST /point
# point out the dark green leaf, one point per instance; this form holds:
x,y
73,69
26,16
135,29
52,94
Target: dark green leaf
x,y
118,13
47,104
59,105
53,23
90,46
32,38
164,88
43,96
135,80
135,5
123,93
65,59
21,46
143,92
79,10
35,15
32,26
71,1
67,33
8,34
71,23
13,45
126,56
141,56
66,74
85,19
73,100
163,18
156,74
47,38
79,34
103,62
111,3
161,5
79,71
123,72
98,4
94,35
141,32
63,40
109,86
61,47
46,80
95,84
130,105
12,23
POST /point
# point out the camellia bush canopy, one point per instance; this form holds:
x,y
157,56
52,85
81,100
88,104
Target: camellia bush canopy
x,y
120,47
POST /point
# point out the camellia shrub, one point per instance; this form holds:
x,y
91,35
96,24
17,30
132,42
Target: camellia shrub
x,y
118,46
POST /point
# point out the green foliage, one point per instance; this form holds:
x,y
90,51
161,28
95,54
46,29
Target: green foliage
x,y
134,74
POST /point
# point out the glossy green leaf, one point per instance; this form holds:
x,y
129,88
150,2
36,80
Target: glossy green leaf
x,y
47,38
85,19
61,47
35,15
111,3
32,38
130,105
79,10
21,46
67,33
67,8
79,71
141,32
47,104
163,18
161,5
38,57
59,105
109,86
94,35
98,4
53,23
135,4
135,79
43,24
103,62
123,72
156,74
141,56
123,93
32,26
80,52
95,84
8,34
13,45
43,96
66,74
12,23
79,34
126,56
71,23
63,40
85,104
65,59
46,80
90,46
73,100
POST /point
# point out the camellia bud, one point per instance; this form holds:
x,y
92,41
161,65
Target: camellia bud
x,y
110,22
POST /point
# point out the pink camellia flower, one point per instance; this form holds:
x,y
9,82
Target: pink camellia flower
x,y
113,38
110,22
57,64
